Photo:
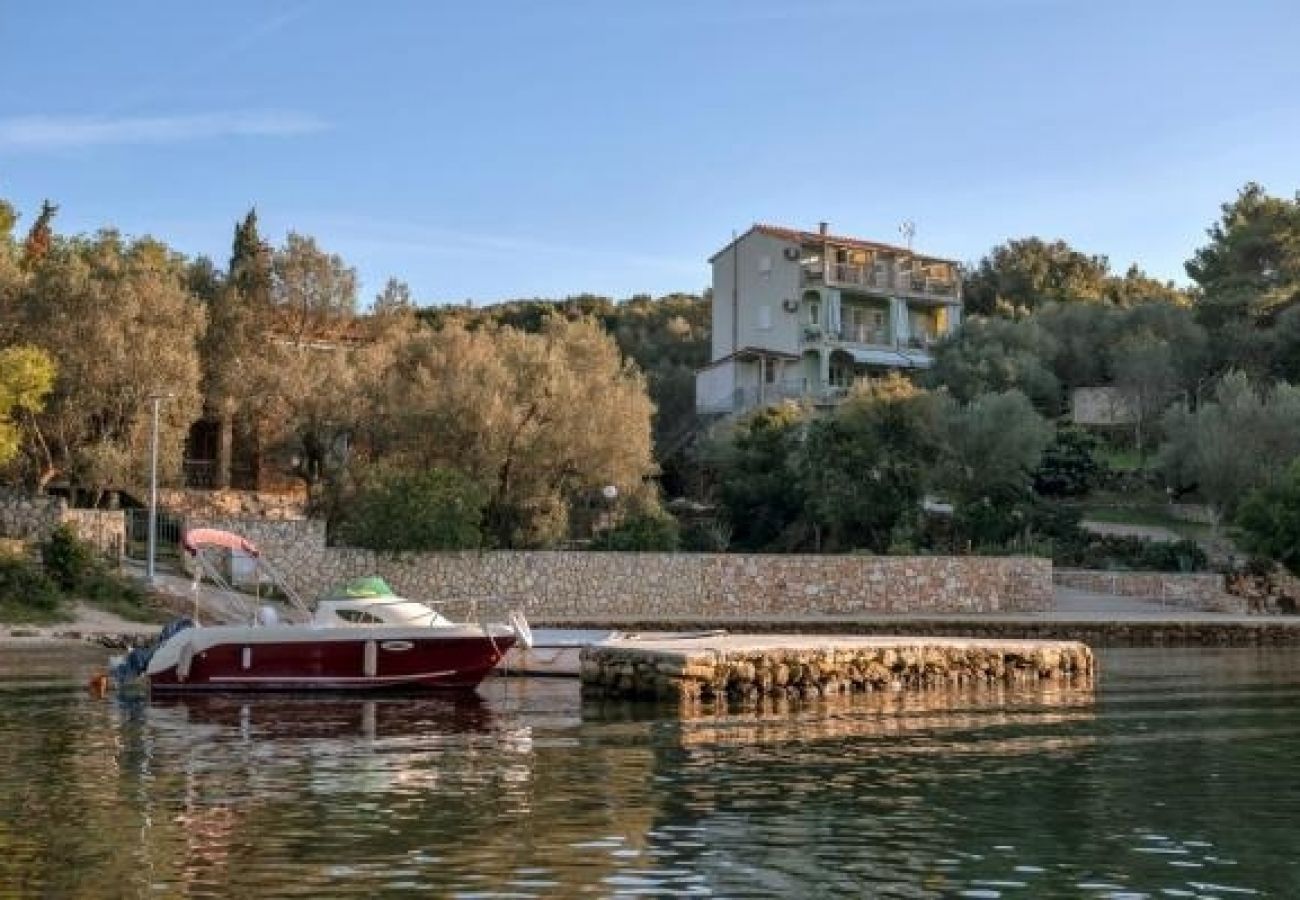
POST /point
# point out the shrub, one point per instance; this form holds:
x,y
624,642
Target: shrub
x,y
26,593
1096,551
1069,466
68,559
74,568
710,536
1270,520
649,530
431,509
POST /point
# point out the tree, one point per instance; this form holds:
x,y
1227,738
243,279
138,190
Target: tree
x,y
312,290
1232,444
120,324
26,379
541,420
1029,273
1146,377
1269,519
421,509
994,355
991,448
40,236
864,468
667,337
1069,466
1137,288
394,298
1251,266
234,347
758,484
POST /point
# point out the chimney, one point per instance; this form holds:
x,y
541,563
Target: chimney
x,y
822,228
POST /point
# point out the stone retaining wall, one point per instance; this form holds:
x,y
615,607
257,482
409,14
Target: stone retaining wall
x,y
234,503
555,585
102,528
1202,592
29,517
33,518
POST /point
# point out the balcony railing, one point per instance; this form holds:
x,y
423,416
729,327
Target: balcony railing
x,y
800,389
875,335
864,276
883,280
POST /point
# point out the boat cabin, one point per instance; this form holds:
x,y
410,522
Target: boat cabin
x,y
370,601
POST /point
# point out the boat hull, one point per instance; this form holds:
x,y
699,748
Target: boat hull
x,y
368,660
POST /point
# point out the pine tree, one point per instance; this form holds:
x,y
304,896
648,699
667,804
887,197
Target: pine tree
x,y
41,235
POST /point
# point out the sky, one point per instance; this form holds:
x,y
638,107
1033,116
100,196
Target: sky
x,y
496,149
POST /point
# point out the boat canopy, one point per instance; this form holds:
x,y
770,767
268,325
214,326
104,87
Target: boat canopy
x,y
364,588
198,538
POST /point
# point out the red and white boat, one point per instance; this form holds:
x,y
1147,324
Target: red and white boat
x,y
361,637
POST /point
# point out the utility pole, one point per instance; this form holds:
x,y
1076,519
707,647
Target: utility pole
x,y
150,567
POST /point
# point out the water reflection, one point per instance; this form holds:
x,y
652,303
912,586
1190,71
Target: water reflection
x,y
1181,774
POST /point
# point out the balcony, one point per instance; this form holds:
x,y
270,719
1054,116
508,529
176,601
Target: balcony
x,y
875,335
876,278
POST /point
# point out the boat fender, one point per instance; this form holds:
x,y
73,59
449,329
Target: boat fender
x,y
371,662
183,661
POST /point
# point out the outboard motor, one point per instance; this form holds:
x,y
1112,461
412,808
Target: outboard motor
x,y
136,662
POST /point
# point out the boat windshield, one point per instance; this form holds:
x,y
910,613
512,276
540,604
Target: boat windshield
x,y
365,588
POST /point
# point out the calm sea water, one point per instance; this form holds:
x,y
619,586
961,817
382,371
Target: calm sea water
x,y
1179,777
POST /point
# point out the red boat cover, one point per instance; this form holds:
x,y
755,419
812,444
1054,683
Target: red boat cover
x,y
198,538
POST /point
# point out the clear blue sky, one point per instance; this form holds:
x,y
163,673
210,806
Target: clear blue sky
x,y
496,149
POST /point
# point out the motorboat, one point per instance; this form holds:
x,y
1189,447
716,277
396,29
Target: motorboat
x,y
558,651
359,637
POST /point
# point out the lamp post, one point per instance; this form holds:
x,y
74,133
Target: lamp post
x,y
150,567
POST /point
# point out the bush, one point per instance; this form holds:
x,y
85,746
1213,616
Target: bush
x,y
1069,466
26,593
1270,520
710,536
651,530
431,509
1094,551
75,569
68,560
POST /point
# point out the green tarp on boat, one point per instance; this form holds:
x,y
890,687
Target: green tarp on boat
x,y
361,588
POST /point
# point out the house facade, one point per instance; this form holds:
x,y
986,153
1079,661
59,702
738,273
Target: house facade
x,y
802,314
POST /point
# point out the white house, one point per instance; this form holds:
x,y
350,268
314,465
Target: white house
x,y
801,314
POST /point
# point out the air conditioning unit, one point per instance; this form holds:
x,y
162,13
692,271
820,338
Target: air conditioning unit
x,y
791,253
790,305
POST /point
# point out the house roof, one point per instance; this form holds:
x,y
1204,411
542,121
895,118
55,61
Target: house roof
x,y
799,236
748,353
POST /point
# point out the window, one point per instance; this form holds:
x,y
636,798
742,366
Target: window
x,y
814,313
359,617
769,370
765,316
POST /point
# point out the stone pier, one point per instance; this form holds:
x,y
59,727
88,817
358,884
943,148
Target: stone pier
x,y
753,667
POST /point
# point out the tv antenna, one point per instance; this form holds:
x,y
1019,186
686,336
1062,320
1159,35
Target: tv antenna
x,y
908,231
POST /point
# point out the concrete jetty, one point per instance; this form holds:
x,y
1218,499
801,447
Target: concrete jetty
x,y
751,667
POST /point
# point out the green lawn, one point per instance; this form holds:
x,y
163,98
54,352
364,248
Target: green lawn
x,y
1121,459
1150,515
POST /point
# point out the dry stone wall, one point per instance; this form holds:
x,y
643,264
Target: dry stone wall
x,y
557,585
33,518
1202,592
29,517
